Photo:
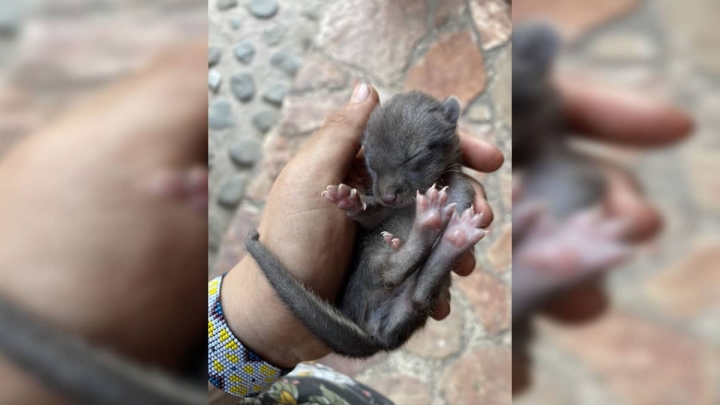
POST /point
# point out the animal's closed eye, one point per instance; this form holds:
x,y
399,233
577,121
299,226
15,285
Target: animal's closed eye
x,y
411,157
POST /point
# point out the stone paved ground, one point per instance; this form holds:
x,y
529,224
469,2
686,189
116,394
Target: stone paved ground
x,y
282,70
660,342
54,54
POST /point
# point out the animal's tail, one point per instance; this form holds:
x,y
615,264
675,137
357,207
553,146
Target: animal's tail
x,y
86,374
333,328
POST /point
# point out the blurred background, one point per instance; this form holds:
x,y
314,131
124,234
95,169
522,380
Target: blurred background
x,y
278,68
56,53
659,342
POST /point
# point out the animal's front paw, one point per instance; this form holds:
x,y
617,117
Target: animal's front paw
x,y
346,198
464,230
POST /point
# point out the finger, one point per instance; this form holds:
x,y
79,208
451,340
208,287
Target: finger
x,y
188,136
442,311
466,264
335,145
641,220
622,116
521,364
481,203
479,155
615,229
524,217
517,187
579,304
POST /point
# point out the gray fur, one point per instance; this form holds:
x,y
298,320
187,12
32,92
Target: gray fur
x,y
551,172
88,375
409,144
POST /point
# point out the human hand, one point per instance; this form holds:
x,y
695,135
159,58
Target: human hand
x,y
103,226
621,117
322,235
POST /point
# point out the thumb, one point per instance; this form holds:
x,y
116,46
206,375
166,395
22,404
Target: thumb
x,y
333,147
176,81
161,110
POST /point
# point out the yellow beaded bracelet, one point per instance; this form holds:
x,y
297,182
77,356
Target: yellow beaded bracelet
x,y
232,367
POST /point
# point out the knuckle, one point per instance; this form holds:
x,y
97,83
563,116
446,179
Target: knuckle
x,y
338,119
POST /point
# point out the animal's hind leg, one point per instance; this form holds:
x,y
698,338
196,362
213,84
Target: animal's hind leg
x,y
431,218
461,234
396,319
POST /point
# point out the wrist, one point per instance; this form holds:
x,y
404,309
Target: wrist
x,y
259,319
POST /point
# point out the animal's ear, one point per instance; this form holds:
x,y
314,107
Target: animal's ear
x,y
451,109
536,42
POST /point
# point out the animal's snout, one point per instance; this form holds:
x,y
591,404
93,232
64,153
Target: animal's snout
x,y
394,194
389,198
390,191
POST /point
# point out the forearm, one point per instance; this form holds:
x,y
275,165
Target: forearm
x,y
255,315
253,339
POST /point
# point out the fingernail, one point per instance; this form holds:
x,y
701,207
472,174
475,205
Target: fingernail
x,y
360,94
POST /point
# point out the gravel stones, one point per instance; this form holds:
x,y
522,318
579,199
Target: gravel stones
x,y
264,120
275,94
312,12
242,86
226,4
274,35
244,52
286,61
214,80
232,191
245,152
214,55
220,115
263,8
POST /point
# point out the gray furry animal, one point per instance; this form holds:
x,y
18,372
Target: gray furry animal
x,y
408,241
88,375
566,184
551,170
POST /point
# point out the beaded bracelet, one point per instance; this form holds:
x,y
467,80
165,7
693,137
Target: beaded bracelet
x,y
232,367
